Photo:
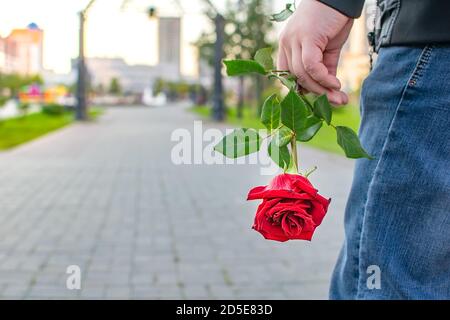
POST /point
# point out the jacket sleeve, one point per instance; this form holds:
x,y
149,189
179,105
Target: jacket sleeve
x,y
351,8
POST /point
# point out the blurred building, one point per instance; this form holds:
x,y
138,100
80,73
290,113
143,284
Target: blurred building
x,y
52,78
133,78
354,63
169,43
22,51
137,78
2,54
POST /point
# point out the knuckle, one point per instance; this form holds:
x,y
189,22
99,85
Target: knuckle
x,y
301,79
310,68
322,82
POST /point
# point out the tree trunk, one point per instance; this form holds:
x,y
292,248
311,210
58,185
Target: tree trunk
x,y
241,93
259,86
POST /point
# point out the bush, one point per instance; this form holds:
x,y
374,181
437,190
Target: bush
x,y
53,109
24,107
3,101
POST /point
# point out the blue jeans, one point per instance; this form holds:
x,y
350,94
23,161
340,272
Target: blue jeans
x,y
397,218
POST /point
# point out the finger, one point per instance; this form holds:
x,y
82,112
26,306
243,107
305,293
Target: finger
x,y
304,80
312,58
282,63
292,67
336,97
331,59
287,60
289,57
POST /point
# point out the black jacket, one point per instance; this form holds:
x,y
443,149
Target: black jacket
x,y
404,22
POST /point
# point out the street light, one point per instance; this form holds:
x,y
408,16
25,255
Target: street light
x,y
151,12
218,113
81,108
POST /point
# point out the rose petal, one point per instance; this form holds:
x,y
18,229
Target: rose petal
x,y
268,230
289,230
252,195
303,184
304,236
270,236
285,194
318,213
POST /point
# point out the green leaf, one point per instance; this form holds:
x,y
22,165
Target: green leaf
x,y
280,155
282,137
323,108
311,127
289,82
239,143
270,114
294,112
283,15
264,58
243,67
349,142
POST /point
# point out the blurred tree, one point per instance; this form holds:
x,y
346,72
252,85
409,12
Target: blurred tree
x,y
24,108
115,87
100,89
246,30
158,86
259,26
14,82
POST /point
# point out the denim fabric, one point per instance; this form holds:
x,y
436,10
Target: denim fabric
x,y
398,212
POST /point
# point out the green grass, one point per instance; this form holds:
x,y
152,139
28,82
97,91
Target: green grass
x,y
95,113
324,140
16,131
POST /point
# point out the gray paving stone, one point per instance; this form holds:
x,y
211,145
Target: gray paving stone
x,y
12,291
106,197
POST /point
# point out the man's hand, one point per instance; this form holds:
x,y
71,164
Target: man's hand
x,y
310,46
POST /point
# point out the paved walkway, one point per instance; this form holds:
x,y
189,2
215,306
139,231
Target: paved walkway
x,y
106,197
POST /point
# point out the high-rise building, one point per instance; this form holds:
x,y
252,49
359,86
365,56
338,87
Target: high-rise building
x,y
170,47
2,54
23,51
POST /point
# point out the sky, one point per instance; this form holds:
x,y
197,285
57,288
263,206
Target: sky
x,y
111,32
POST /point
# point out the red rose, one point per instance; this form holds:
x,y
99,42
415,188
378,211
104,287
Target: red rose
x,y
291,208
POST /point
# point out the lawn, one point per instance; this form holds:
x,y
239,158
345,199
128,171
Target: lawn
x,y
16,131
324,140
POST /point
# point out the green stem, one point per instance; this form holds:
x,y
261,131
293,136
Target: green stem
x,y
272,133
310,171
294,153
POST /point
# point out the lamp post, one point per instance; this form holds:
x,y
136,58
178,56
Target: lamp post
x,y
81,108
218,113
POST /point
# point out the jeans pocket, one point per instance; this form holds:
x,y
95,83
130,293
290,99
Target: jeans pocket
x,y
421,66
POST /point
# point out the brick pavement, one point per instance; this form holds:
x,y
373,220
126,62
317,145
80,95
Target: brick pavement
x,y
106,197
